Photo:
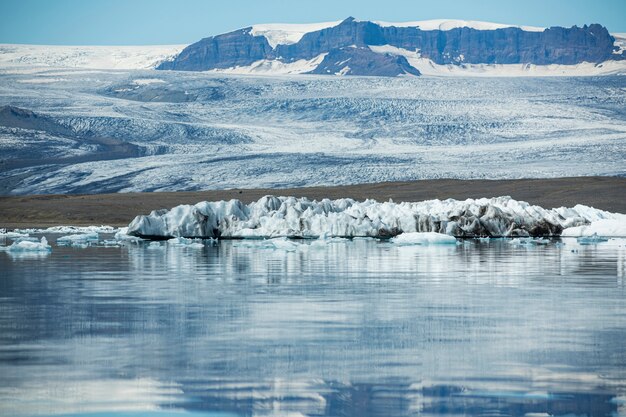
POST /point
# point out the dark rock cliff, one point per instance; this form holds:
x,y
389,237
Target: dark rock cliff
x,y
351,38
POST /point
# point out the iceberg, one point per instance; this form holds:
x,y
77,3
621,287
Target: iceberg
x,y
187,243
71,230
122,236
12,235
614,227
78,240
591,240
291,217
28,246
424,238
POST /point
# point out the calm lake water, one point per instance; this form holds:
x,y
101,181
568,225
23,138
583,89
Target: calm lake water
x,y
355,328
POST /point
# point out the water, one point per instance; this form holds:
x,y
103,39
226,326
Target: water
x,y
357,328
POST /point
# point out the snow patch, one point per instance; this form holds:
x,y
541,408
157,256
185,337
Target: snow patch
x,y
620,43
343,71
148,81
288,33
428,67
449,24
275,67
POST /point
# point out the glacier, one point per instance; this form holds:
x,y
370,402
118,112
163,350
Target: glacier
x,y
290,217
123,131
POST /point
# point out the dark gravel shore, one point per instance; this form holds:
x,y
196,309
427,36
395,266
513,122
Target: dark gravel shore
x,y
607,193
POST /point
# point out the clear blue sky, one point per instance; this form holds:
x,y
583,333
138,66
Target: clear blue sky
x,y
143,22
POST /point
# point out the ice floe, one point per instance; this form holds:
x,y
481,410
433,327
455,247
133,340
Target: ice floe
x,y
424,238
122,235
591,240
71,230
12,235
271,217
28,246
615,227
187,243
82,239
525,241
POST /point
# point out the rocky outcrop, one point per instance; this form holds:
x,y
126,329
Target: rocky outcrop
x,y
461,45
222,51
362,61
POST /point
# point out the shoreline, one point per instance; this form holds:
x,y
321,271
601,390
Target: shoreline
x,y
606,193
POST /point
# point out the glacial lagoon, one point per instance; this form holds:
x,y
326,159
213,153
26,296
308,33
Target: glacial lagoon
x,y
359,327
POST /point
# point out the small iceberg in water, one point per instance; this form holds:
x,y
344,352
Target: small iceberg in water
x,y
28,246
83,239
424,238
591,240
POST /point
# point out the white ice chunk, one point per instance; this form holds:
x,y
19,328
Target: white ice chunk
x,y
12,235
591,240
156,246
123,236
424,238
615,227
28,246
80,239
71,229
526,241
283,244
272,217
187,243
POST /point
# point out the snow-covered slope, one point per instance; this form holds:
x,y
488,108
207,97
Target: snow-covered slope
x,y
287,33
620,43
91,57
428,67
302,218
449,24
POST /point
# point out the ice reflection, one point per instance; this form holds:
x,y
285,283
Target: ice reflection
x,y
356,328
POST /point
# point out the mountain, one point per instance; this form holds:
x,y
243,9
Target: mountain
x,y
353,47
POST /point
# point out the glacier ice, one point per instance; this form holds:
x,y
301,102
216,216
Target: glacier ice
x,y
122,235
423,238
70,229
79,239
185,242
591,240
612,227
28,246
12,235
271,217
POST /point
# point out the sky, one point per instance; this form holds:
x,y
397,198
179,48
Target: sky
x,y
161,22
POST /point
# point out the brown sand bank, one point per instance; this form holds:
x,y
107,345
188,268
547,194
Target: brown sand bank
x,y
607,193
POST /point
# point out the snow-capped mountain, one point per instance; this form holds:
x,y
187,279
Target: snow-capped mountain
x,y
353,47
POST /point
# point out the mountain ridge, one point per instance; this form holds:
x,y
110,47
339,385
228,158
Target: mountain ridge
x,y
443,42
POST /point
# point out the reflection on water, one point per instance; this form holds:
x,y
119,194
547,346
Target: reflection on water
x,y
354,328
